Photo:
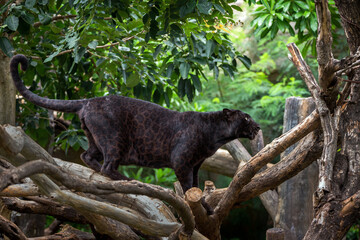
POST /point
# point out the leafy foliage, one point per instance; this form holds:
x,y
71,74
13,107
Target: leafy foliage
x,y
144,49
262,91
164,177
294,17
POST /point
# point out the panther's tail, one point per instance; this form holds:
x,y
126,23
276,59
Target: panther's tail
x,y
57,105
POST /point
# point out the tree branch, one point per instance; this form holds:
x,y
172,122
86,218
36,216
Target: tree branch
x,y
10,230
45,206
244,174
302,156
56,18
329,124
323,45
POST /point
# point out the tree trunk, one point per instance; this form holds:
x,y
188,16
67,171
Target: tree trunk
x,y
337,210
295,209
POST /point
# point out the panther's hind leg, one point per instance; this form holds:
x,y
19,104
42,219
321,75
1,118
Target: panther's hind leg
x,y
92,156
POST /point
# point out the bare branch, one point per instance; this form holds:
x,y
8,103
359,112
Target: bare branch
x,y
323,45
56,18
245,173
10,229
329,124
302,156
67,233
350,204
47,207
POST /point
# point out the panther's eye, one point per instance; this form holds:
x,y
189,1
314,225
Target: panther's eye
x,y
246,119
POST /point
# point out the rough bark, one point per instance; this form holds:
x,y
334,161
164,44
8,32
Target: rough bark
x,y
7,92
337,200
67,233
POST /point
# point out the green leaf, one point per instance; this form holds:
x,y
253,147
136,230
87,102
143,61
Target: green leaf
x,y
28,17
218,38
196,82
132,80
12,22
266,4
40,69
6,47
189,90
204,6
43,2
30,3
313,23
157,51
210,46
187,8
93,44
199,60
154,28
184,69
44,19
216,72
181,88
79,54
169,70
220,8
237,8
245,60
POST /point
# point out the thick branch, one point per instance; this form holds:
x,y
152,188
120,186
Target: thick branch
x,y
10,230
302,156
323,45
67,233
45,206
28,169
245,173
328,123
20,190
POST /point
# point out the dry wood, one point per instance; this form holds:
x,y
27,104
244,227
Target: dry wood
x,y
301,157
238,152
53,227
207,226
10,230
275,234
295,210
20,190
330,125
67,233
323,45
221,162
8,92
245,173
44,206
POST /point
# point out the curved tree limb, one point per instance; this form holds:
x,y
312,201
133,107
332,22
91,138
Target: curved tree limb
x,y
330,124
244,174
10,229
302,156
